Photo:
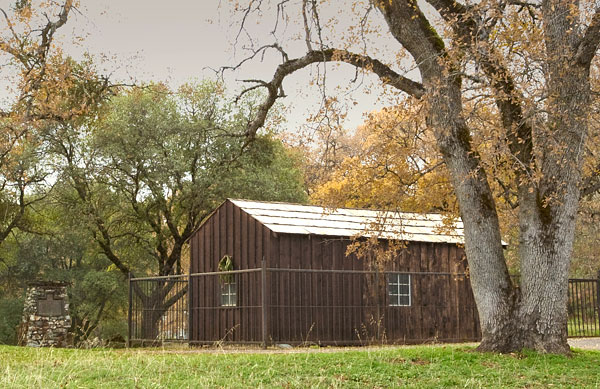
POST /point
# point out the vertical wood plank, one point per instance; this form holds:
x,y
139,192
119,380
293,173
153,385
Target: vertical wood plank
x,y
230,228
306,295
419,330
285,292
244,287
190,293
251,264
258,263
295,286
274,284
316,286
259,244
222,250
267,252
208,290
337,289
216,241
234,316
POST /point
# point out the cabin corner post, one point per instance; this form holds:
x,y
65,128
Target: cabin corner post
x,y
263,276
129,311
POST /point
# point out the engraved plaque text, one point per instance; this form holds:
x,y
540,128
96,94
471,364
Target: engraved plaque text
x,y
49,306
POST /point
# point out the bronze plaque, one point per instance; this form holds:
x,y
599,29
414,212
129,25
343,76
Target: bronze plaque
x,y
49,306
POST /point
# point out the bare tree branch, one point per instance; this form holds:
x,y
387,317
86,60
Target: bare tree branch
x,y
474,36
50,28
385,73
588,45
306,28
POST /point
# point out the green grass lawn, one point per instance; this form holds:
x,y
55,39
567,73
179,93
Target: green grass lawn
x,y
423,367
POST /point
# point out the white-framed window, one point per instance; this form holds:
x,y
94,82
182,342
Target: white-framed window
x,y
399,293
229,294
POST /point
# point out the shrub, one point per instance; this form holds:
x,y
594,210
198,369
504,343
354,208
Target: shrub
x,y
11,310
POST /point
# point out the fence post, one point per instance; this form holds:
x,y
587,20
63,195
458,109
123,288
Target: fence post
x,y
263,277
189,307
129,311
377,292
598,296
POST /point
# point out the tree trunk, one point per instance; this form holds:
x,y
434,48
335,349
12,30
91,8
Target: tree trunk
x,y
158,299
534,315
497,300
150,317
548,208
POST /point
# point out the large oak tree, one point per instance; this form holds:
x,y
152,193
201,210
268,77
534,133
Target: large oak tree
x,y
529,62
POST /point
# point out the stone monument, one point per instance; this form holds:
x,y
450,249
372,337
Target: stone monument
x,y
46,319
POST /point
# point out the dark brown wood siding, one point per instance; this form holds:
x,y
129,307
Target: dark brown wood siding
x,y
324,307
228,231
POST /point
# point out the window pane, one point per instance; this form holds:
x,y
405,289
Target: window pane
x,y
399,289
404,290
228,294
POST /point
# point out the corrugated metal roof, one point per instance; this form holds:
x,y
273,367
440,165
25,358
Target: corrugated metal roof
x,y
306,219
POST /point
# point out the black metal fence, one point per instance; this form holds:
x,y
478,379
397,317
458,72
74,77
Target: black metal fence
x,y
584,310
158,309
322,306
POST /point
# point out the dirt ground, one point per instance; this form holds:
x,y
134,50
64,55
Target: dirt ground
x,y
581,343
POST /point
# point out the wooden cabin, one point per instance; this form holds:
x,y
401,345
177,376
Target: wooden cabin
x,y
266,272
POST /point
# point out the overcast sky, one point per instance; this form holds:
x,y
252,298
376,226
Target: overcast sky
x,y
180,40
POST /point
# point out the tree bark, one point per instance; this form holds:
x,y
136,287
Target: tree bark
x,y
548,210
535,315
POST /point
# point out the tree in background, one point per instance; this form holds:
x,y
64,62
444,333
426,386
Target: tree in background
x,y
393,164
43,87
529,64
61,250
139,173
154,164
322,142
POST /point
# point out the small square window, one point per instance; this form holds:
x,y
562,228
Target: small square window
x,y
399,290
229,294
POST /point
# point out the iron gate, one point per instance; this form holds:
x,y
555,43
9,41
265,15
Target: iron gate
x,y
158,309
584,313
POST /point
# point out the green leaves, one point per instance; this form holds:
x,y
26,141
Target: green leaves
x,y
156,162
